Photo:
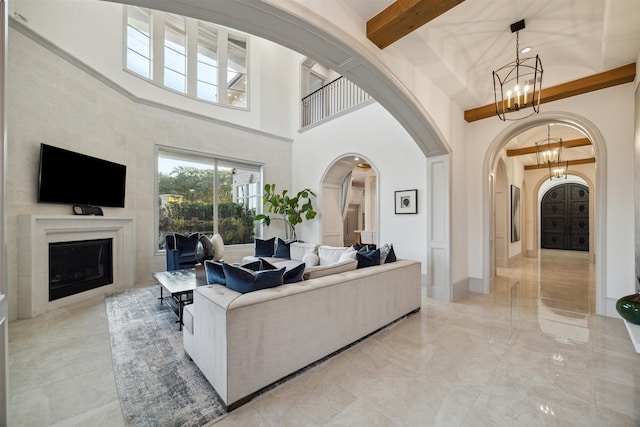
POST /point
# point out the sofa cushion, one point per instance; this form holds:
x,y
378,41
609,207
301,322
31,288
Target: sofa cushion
x,y
368,258
264,248
187,318
214,272
326,270
243,280
311,259
298,250
283,249
330,254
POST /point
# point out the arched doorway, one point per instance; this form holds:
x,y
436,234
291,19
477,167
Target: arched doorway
x,y
564,217
349,197
597,209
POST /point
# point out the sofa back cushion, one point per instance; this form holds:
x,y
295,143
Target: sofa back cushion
x,y
297,250
243,280
330,254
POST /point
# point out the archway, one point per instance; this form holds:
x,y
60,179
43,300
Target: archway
x,y
591,131
350,183
311,35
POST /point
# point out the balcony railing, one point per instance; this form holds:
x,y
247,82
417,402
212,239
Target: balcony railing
x,y
331,99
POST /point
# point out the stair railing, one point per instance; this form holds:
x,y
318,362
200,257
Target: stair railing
x,y
331,99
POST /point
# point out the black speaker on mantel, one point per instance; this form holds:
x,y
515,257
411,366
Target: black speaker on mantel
x,y
87,210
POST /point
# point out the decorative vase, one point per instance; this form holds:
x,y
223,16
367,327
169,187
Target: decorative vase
x,y
204,249
629,308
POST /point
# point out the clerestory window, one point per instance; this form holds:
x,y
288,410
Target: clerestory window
x,y
196,58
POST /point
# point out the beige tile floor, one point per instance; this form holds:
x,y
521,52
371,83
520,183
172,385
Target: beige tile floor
x,y
530,353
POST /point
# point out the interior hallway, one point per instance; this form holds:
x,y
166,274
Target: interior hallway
x,y
531,353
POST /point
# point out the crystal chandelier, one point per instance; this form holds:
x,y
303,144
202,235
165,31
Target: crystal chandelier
x,y
517,86
548,154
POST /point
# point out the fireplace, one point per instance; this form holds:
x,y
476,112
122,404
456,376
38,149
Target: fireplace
x,y
78,266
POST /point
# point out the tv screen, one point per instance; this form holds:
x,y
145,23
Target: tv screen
x,y
72,178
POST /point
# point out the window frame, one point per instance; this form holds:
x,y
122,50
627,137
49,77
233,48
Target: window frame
x,y
157,62
205,158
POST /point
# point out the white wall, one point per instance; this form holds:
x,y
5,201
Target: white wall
x,y
93,31
372,132
50,100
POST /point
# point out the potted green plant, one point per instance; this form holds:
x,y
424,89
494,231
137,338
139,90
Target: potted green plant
x,y
293,209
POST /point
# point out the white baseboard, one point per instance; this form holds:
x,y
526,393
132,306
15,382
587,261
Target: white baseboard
x,y
460,289
475,285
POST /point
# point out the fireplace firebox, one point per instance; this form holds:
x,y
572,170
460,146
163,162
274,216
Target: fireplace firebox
x,y
79,266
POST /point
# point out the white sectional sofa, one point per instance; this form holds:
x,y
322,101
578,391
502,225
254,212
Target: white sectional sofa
x,y
245,342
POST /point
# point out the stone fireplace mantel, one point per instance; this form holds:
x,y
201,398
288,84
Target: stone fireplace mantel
x,y
37,231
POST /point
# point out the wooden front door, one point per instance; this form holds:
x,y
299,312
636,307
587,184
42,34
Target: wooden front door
x,y
565,218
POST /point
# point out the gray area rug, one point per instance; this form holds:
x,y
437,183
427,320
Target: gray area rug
x,y
157,383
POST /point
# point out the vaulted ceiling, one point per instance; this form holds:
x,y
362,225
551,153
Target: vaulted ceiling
x,y
461,47
459,43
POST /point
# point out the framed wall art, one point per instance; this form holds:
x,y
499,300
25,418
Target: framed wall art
x,y
406,202
515,213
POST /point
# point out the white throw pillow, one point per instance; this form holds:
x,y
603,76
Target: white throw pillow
x,y
297,250
311,260
330,254
218,247
384,251
348,254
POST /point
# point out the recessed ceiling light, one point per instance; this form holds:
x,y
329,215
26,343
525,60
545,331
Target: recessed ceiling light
x,y
525,50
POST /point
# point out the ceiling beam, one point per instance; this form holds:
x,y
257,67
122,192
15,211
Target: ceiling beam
x,y
581,142
571,163
404,16
617,76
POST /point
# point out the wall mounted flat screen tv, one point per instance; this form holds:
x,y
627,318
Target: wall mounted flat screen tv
x,y
68,177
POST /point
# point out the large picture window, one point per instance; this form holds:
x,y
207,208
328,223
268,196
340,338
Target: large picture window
x,y
196,58
200,193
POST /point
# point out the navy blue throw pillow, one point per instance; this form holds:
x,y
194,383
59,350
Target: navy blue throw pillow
x,y
264,247
186,243
244,280
368,259
391,257
259,264
283,249
253,265
215,272
295,274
